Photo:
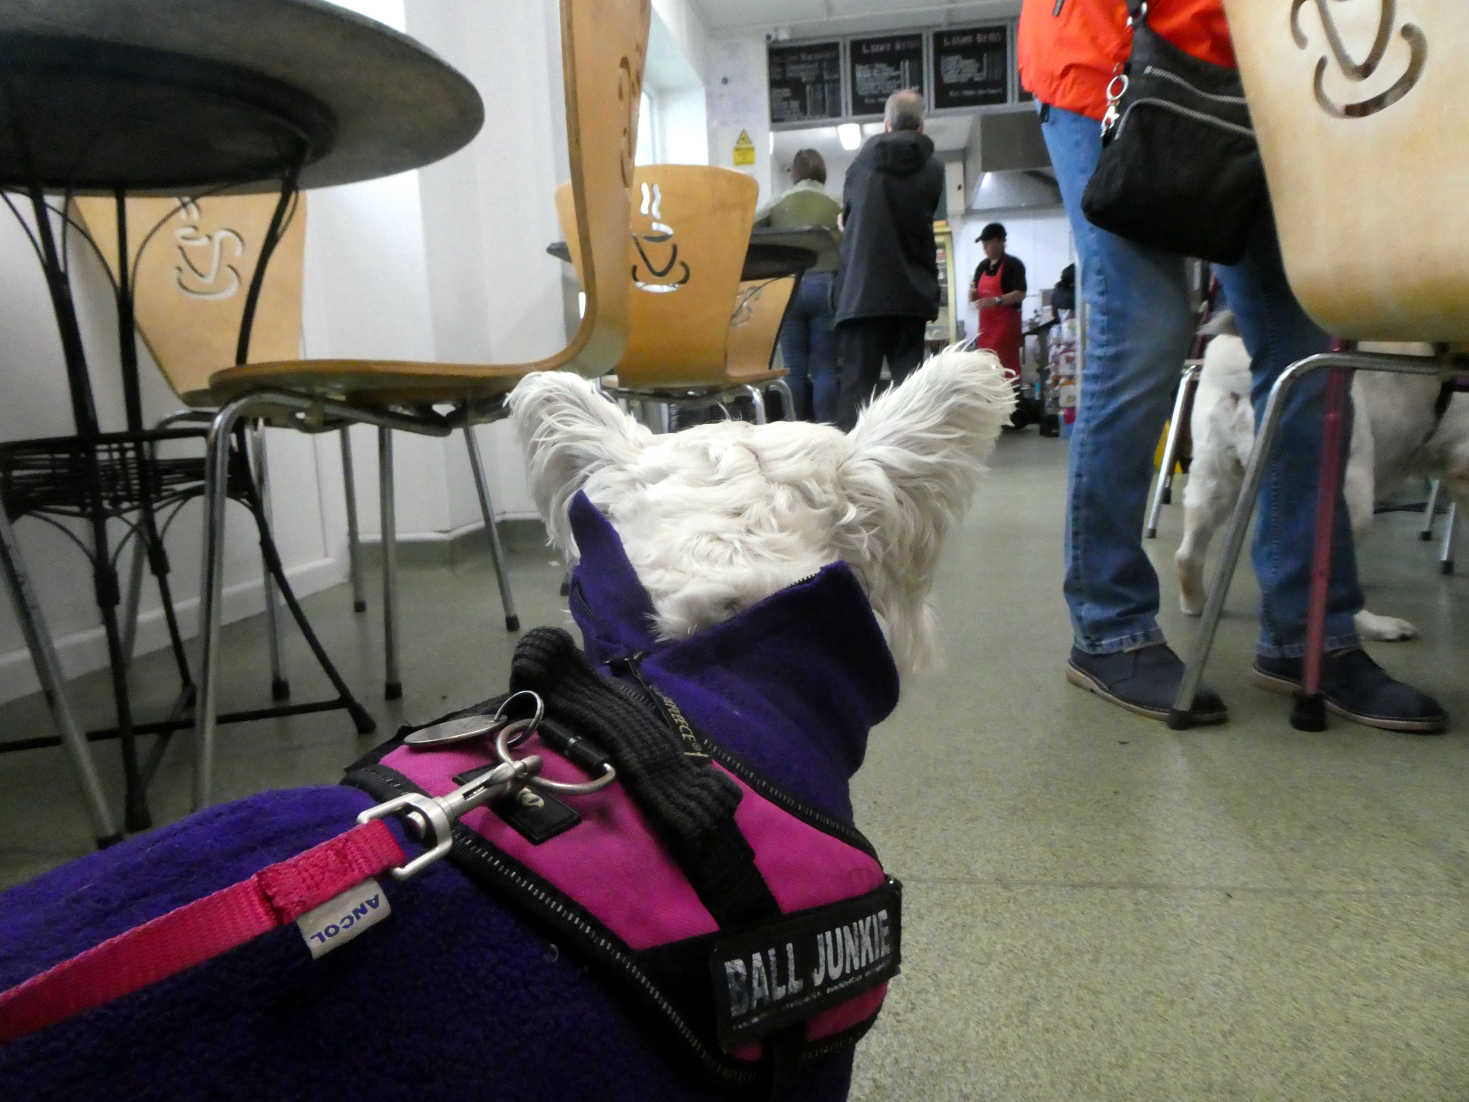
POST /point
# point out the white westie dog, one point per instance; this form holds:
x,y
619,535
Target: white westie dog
x,y
718,516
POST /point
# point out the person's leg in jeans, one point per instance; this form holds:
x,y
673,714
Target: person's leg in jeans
x,y
795,350
1277,332
1138,331
861,342
905,347
821,370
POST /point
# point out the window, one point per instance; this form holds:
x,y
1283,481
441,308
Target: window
x,y
647,151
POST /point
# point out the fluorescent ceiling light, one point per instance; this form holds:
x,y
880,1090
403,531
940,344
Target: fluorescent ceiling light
x,y
772,143
871,129
850,135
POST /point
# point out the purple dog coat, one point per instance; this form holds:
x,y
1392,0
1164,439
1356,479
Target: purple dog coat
x,y
451,994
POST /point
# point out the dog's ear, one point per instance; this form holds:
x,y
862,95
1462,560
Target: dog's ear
x,y
916,456
568,429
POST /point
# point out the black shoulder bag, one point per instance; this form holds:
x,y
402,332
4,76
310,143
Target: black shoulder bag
x,y
1179,168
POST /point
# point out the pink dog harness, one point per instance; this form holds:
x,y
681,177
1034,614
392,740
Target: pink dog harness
x,y
760,930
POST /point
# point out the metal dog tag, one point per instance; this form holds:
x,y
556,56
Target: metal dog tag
x,y
455,730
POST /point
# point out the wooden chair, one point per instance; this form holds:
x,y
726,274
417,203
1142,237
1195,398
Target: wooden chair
x,y
189,263
189,289
690,232
603,43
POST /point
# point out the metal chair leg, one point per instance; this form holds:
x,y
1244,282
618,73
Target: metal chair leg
x,y
1446,554
1239,521
1182,404
787,399
487,510
1429,510
211,584
758,400
280,688
354,551
392,684
48,670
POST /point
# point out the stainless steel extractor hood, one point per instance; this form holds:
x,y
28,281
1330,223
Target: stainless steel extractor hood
x,y
1006,164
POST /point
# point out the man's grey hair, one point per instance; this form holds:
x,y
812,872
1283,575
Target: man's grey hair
x,y
904,110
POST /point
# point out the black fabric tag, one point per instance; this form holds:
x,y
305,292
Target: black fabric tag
x,y
792,968
537,815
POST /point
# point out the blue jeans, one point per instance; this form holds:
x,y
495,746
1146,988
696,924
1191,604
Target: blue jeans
x,y
1138,334
809,350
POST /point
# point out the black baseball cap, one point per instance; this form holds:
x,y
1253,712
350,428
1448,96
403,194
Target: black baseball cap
x,y
994,229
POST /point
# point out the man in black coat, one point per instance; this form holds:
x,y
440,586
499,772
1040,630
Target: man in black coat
x,y
888,282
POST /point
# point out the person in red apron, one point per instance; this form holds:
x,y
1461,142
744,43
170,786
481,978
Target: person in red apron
x,y
998,289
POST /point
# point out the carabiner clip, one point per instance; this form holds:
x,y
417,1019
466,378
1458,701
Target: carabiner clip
x,y
432,818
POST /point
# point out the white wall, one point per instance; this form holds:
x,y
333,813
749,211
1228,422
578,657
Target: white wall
x,y
738,99
1040,238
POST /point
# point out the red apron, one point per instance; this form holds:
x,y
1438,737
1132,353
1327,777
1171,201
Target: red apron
x,y
999,326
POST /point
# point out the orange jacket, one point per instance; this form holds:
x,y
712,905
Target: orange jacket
x,y
1069,49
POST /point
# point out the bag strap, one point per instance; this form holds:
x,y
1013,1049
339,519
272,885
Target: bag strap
x,y
275,896
669,777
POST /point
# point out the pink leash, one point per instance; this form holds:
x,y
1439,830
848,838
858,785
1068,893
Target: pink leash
x,y
275,896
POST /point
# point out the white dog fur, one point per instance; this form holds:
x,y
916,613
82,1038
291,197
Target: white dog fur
x,y
719,516
1393,437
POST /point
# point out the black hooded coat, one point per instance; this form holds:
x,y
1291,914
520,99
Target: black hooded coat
x,y
888,263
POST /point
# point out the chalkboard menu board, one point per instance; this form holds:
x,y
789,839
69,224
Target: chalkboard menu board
x,y
882,65
805,82
970,67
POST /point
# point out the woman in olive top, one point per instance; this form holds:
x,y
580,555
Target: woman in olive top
x,y
806,342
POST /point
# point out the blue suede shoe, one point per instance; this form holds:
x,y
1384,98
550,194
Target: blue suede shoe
x,y
1357,688
1144,681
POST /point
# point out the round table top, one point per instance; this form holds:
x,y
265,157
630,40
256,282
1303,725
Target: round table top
x,y
168,95
763,260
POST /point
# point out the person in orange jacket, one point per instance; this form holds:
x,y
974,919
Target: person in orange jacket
x,y
1139,328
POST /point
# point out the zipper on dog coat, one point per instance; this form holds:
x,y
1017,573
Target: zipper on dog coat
x,y
759,931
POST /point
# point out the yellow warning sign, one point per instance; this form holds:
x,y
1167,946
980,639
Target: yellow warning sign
x,y
744,149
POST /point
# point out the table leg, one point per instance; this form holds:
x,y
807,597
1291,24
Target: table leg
x,y
48,669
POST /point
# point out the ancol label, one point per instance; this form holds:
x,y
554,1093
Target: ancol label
x,y
339,920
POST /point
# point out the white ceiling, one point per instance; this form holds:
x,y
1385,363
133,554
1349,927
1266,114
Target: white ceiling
x,y
811,18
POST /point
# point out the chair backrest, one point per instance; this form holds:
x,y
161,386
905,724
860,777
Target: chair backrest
x,y
681,264
603,50
191,263
759,310
1351,104
604,44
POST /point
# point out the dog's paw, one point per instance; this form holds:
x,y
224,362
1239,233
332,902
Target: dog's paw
x,y
1383,629
1191,593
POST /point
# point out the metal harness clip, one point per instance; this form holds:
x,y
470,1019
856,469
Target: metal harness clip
x,y
432,818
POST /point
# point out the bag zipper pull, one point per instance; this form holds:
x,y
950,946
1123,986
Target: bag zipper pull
x,y
1116,88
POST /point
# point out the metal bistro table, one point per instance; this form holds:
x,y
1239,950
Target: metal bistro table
x,y
182,98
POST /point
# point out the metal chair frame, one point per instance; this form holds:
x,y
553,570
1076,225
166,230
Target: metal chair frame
x,y
1343,364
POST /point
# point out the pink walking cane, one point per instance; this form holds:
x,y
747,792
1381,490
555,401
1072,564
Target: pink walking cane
x,y
1309,711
